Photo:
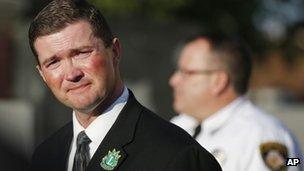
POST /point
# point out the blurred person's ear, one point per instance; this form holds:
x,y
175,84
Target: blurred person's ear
x,y
220,82
40,72
116,48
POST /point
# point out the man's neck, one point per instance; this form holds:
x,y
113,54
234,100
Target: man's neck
x,y
85,119
217,106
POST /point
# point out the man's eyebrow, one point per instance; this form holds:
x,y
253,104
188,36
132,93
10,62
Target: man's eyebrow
x,y
81,47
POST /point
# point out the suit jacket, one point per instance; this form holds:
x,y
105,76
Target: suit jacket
x,y
145,141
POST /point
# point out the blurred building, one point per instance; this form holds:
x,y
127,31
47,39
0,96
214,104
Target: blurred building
x,y
16,115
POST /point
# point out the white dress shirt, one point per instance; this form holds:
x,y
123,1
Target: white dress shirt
x,y
99,128
234,135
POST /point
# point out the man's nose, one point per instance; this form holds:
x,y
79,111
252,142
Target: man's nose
x,y
73,73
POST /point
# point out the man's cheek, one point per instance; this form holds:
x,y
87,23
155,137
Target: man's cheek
x,y
100,60
53,80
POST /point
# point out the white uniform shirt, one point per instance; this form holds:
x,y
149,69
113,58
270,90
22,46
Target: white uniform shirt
x,y
235,134
99,128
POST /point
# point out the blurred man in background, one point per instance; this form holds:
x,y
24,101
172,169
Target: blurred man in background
x,y
78,59
209,85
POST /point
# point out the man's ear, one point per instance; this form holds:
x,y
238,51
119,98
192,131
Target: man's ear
x,y
116,50
40,72
220,82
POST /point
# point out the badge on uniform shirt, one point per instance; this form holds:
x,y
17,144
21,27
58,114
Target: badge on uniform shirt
x,y
274,155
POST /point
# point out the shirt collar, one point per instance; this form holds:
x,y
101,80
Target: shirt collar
x,y
218,119
98,129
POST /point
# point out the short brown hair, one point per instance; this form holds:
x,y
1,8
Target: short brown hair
x,y
59,13
234,54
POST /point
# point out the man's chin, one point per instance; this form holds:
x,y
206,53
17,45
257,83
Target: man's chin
x,y
177,108
86,109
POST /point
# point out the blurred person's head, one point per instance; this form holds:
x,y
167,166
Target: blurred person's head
x,y
212,71
78,57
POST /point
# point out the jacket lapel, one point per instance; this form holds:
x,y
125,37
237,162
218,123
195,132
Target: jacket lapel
x,y
120,135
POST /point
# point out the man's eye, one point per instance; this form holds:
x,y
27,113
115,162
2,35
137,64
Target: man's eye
x,y
52,63
86,51
83,54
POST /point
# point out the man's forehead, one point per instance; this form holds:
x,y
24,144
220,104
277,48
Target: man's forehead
x,y
196,52
200,44
78,30
72,36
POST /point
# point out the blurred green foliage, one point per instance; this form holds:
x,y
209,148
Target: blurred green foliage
x,y
228,16
214,13
156,9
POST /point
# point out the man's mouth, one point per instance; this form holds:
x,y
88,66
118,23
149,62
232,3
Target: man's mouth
x,y
79,88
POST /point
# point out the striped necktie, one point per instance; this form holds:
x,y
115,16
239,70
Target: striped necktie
x,y
82,155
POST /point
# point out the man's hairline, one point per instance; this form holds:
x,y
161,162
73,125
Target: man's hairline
x,y
213,53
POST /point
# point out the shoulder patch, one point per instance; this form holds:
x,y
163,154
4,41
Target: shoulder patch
x,y
274,155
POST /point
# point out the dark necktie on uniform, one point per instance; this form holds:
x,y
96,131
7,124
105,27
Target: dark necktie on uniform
x,y
197,130
82,155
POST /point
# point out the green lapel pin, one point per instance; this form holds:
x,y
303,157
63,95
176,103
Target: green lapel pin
x,y
110,161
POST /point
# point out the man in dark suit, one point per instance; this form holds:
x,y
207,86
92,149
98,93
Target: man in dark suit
x,y
78,58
